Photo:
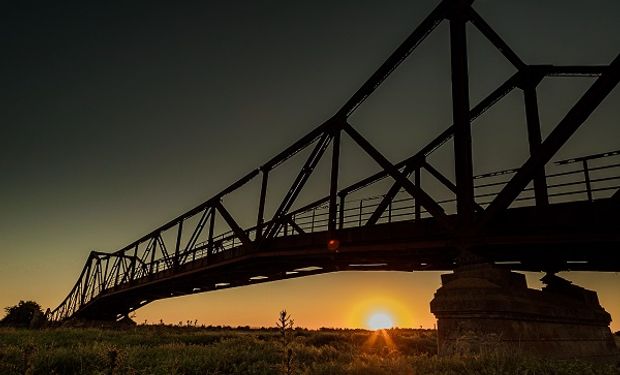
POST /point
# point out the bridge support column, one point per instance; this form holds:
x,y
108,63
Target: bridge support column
x,y
482,308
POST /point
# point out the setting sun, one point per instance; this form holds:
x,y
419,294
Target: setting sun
x,y
380,321
379,309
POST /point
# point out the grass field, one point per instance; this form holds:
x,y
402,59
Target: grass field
x,y
190,350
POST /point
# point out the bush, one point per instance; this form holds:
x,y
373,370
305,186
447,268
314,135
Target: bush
x,y
26,314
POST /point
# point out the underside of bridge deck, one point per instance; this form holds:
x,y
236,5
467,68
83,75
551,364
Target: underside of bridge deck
x,y
571,236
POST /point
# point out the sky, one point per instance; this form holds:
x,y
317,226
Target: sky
x,y
116,117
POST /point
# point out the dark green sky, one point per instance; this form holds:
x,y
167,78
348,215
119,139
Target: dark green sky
x,y
117,116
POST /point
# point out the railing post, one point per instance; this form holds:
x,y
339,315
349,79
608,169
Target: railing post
x,y
390,212
312,222
586,175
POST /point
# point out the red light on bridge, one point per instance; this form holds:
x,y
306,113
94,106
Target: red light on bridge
x,y
333,244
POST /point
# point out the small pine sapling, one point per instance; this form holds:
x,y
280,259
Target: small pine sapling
x,y
285,325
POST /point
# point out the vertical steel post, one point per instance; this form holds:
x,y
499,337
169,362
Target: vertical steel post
x,y
586,175
341,209
535,139
92,290
460,112
153,249
359,223
333,187
178,244
133,262
87,276
211,229
118,271
418,211
261,205
105,273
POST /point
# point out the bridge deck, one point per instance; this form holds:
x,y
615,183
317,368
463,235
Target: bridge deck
x,y
571,236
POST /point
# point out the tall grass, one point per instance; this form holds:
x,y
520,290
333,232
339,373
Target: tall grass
x,y
173,350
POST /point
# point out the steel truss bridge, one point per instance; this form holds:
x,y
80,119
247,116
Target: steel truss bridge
x,y
542,216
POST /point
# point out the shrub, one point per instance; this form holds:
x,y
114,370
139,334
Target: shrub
x,y
25,314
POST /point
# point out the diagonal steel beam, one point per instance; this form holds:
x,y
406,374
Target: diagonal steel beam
x,y
289,219
164,251
416,160
395,59
446,182
302,143
199,228
425,200
389,197
245,240
486,103
208,212
495,39
558,137
298,184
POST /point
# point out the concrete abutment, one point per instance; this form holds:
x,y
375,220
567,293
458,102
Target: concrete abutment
x,y
486,308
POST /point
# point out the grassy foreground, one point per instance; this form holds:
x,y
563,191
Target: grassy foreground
x,y
187,350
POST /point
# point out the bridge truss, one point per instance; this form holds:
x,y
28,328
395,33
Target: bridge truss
x,y
190,254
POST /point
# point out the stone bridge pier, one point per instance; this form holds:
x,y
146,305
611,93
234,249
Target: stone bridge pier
x,y
485,308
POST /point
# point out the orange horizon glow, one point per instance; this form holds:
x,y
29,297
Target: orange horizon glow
x,y
336,300
380,312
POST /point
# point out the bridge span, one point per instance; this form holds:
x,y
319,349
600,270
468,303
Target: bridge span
x,y
579,234
543,215
577,231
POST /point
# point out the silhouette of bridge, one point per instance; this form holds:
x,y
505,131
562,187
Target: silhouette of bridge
x,y
542,216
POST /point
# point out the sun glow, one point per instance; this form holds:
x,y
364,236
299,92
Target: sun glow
x,y
379,310
380,320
